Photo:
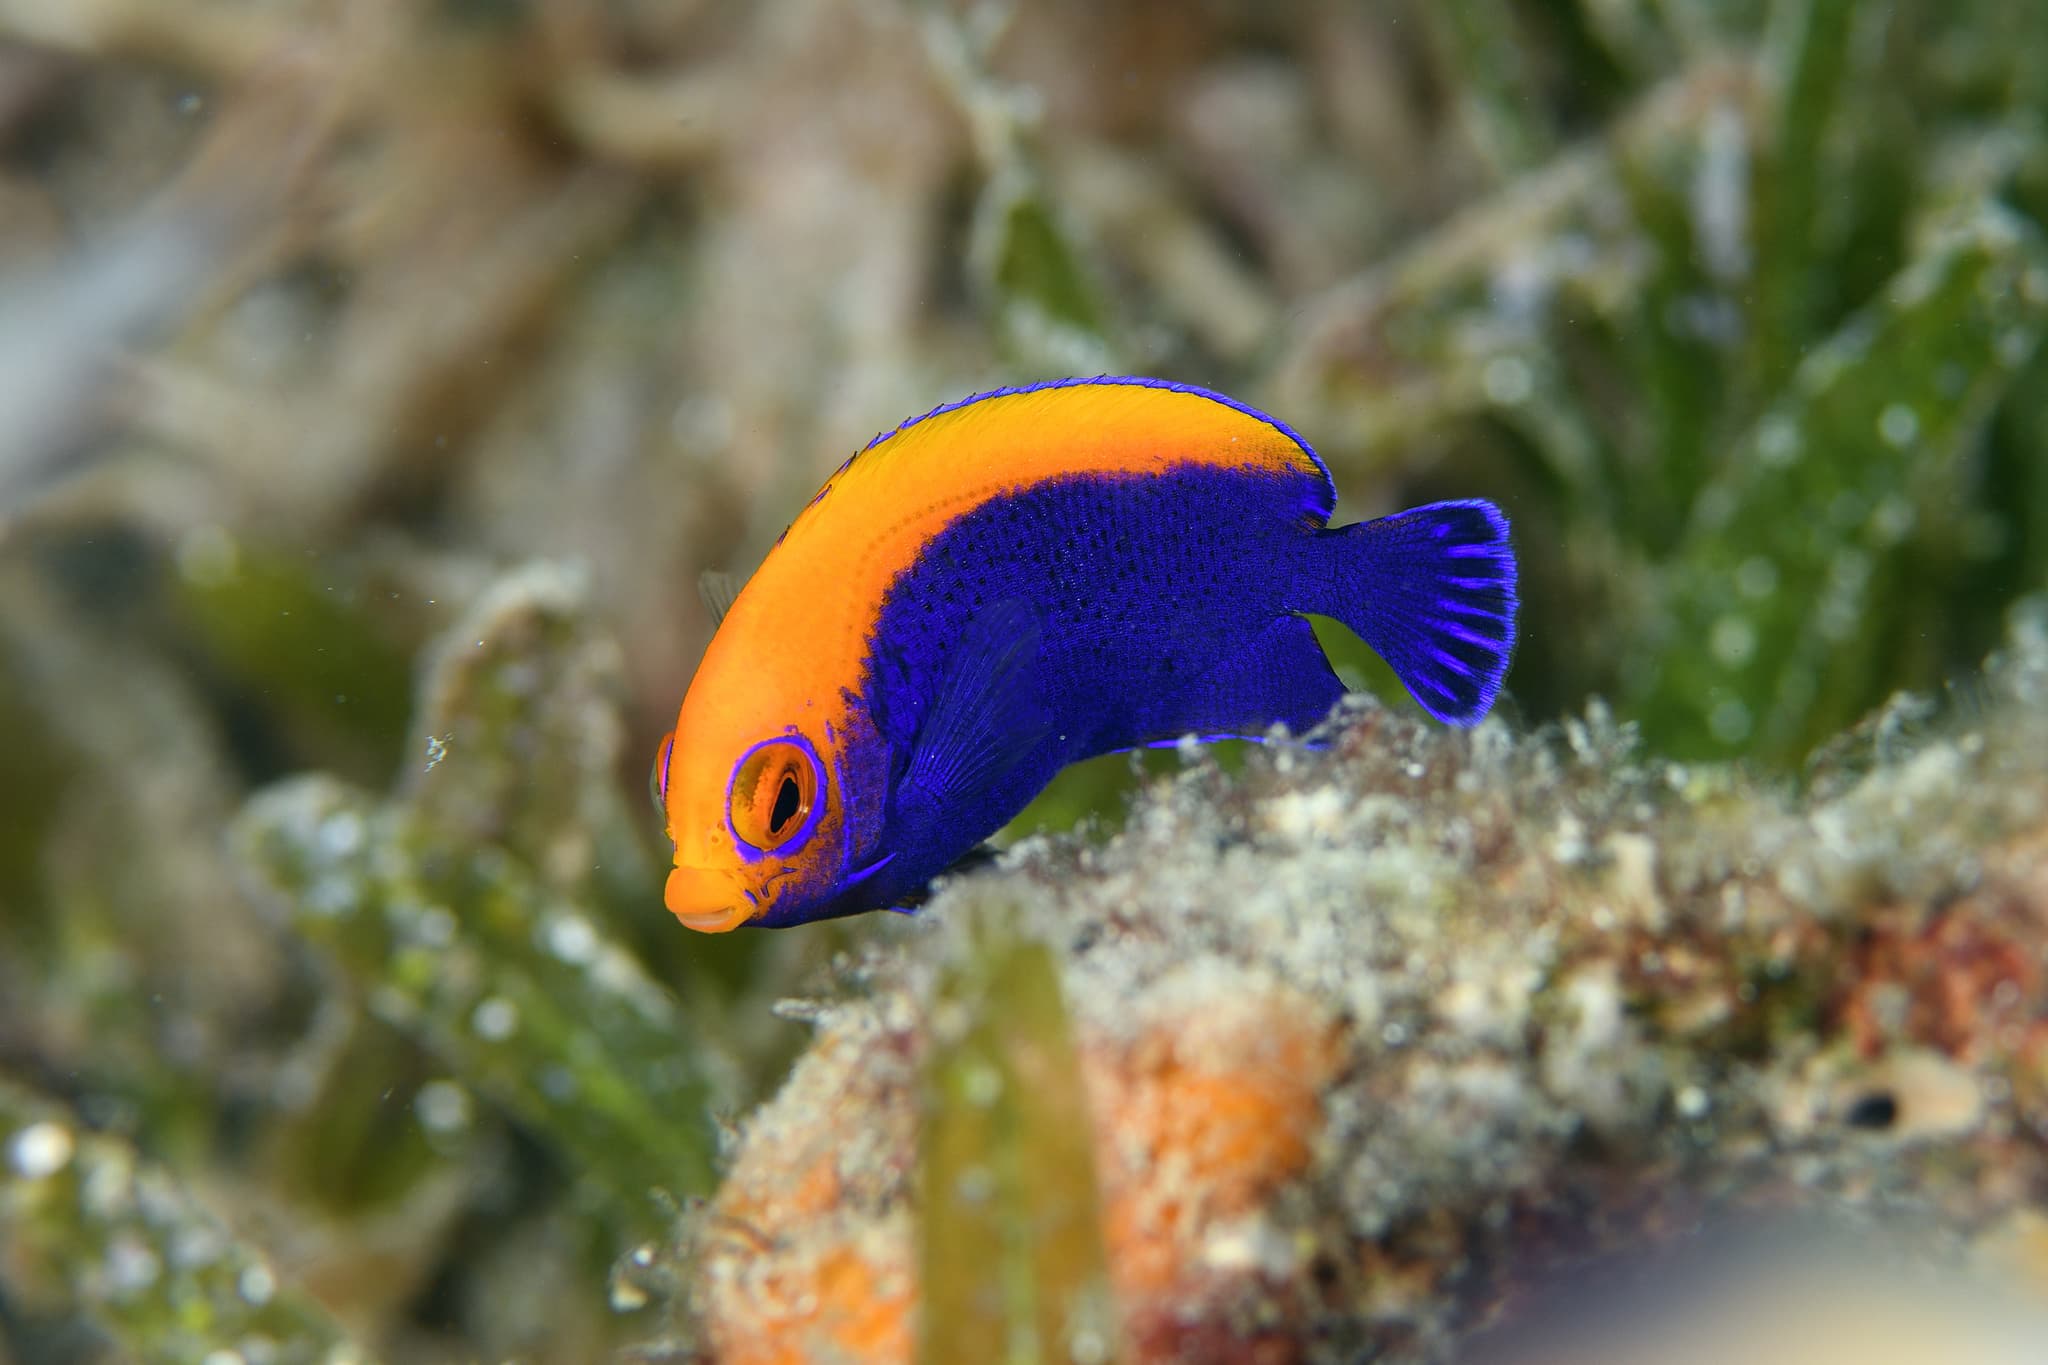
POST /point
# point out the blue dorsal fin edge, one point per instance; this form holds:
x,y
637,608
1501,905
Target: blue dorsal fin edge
x,y
1433,591
986,711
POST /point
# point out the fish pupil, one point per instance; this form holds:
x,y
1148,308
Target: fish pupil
x,y
787,799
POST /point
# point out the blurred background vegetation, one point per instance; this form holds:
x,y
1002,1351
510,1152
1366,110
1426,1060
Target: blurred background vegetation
x,y
317,317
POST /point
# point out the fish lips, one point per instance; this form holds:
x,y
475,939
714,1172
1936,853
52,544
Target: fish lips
x,y
707,899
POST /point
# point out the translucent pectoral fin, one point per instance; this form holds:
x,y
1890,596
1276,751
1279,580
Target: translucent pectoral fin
x,y
718,589
985,715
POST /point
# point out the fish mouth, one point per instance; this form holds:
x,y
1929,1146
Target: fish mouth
x,y
707,900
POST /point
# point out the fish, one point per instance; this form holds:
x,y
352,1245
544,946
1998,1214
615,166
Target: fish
x,y
1022,579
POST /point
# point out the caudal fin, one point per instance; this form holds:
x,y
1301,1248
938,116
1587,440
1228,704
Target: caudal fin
x,y
1432,590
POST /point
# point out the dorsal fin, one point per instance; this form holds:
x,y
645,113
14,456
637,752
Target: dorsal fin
x,y
718,589
1117,425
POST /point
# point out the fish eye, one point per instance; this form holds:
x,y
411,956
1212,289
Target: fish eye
x,y
774,792
657,778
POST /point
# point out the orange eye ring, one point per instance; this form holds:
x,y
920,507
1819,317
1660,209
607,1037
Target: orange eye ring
x,y
772,803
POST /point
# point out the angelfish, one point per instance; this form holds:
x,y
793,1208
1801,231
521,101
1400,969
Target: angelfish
x,y
1022,579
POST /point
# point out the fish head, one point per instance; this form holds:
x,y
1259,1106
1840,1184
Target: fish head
x,y
755,822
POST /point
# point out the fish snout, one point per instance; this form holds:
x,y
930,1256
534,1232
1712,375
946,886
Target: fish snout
x,y
707,900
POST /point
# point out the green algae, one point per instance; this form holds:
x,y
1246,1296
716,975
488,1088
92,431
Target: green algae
x,y
1614,334
1011,1260
1485,49
513,987
1771,613
39,766
278,627
1809,61
1036,283
86,1223
452,907
1027,264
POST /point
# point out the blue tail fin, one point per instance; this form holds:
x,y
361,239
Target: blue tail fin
x,y
1432,590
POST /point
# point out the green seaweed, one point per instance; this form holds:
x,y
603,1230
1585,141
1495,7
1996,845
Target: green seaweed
x,y
370,1139
1027,264
1011,1259
1771,634
1668,343
38,769
1481,45
87,1223
1613,338
307,648
1037,285
1807,55
513,986
454,907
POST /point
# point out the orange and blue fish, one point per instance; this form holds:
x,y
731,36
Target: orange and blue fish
x,y
1026,578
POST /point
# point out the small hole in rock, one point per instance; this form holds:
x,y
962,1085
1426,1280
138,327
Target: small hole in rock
x,y
1877,1110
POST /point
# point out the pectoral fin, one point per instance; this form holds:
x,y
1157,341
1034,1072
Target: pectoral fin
x,y
718,589
985,715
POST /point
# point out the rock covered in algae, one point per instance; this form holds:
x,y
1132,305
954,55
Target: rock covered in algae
x,y
1378,1039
